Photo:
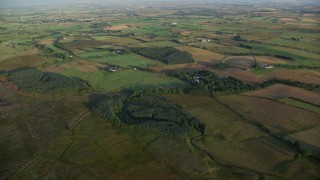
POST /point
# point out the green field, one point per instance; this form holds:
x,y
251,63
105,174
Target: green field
x,y
125,61
300,104
124,79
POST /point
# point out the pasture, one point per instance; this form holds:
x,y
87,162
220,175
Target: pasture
x,y
245,76
300,104
240,62
105,81
278,117
279,91
301,75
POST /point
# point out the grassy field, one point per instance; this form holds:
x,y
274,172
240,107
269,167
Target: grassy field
x,y
124,79
278,117
240,62
125,61
245,76
279,91
300,104
301,75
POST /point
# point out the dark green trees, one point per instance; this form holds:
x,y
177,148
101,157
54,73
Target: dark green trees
x,y
148,112
35,81
167,55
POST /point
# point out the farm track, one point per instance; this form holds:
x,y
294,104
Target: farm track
x,y
72,132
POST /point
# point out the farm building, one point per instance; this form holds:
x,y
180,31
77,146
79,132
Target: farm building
x,y
118,51
265,66
113,69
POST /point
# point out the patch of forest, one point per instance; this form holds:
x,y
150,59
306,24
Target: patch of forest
x,y
167,55
147,112
35,81
210,84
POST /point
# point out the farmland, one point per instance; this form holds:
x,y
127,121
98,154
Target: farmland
x,y
160,90
279,91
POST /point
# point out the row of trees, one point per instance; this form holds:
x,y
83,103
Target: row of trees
x,y
297,66
166,55
58,45
35,81
288,82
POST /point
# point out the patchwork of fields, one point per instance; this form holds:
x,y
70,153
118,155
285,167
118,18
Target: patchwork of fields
x,y
161,91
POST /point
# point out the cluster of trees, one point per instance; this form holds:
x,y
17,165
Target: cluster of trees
x,y
246,46
209,84
35,81
154,110
99,25
166,55
151,112
45,50
110,108
156,91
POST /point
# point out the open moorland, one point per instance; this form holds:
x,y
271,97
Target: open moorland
x,y
160,91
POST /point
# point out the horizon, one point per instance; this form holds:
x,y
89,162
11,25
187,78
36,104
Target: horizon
x,y
26,3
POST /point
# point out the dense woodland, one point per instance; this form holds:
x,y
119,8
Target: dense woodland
x,y
208,83
167,55
147,112
35,81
